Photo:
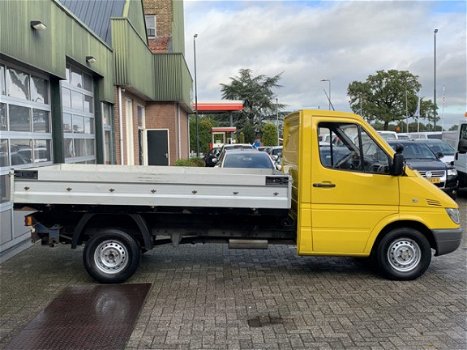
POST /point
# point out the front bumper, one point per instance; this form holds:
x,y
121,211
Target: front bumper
x,y
447,241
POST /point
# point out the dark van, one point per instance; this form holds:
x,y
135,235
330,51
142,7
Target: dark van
x,y
419,157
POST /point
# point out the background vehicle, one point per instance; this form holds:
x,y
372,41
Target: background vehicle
x,y
233,146
388,135
460,159
366,204
275,152
212,155
251,159
441,149
419,156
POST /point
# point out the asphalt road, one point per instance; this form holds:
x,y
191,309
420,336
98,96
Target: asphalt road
x,y
210,297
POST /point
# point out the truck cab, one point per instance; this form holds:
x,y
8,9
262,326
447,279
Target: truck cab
x,y
357,203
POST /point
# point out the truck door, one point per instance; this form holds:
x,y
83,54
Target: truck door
x,y
351,189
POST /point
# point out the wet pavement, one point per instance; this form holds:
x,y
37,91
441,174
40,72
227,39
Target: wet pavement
x,y
210,297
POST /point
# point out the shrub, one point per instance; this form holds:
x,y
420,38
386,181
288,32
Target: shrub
x,y
193,162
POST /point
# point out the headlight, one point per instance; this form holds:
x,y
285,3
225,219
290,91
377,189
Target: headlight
x,y
452,172
454,215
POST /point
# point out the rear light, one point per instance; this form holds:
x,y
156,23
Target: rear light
x,y
28,220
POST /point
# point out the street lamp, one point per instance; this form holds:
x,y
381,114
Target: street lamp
x,y
277,121
434,73
196,97
329,90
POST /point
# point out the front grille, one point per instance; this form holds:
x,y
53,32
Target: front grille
x,y
434,173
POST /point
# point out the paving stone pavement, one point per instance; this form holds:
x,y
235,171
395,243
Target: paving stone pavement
x,y
210,297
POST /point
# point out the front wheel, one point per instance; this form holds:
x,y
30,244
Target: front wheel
x,y
403,254
111,256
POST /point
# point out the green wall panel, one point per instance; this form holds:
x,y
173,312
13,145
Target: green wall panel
x,y
133,61
134,12
48,50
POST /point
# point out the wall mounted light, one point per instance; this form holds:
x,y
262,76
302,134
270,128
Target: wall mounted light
x,y
90,59
38,25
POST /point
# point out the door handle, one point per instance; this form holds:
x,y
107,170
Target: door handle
x,y
324,185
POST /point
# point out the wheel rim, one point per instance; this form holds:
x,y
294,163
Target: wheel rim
x,y
111,257
404,254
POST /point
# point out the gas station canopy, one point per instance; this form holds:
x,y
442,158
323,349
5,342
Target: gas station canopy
x,y
218,106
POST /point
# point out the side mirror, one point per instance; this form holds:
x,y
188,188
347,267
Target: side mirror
x,y
397,167
462,148
214,160
439,155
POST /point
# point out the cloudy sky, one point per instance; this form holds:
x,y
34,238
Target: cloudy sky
x,y
342,41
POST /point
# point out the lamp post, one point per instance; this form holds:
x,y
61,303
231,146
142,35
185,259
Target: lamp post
x,y
277,121
329,90
196,97
434,74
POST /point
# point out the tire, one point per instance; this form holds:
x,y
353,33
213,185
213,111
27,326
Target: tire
x,y
111,256
403,254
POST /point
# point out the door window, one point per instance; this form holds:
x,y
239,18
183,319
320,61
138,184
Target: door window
x,y
350,148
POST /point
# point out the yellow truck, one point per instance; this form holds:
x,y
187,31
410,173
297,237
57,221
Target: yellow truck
x,y
351,196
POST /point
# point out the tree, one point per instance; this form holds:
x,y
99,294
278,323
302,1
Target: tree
x,y
257,92
204,127
385,96
269,137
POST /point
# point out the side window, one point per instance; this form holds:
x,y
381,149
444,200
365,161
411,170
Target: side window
x,y
348,147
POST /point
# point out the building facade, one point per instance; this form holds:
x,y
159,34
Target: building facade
x,y
79,84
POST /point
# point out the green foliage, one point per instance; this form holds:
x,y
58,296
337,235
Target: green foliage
x,y
385,96
269,137
249,133
193,162
241,137
204,127
257,92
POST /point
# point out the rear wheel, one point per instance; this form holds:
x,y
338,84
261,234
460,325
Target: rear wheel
x,y
403,254
111,256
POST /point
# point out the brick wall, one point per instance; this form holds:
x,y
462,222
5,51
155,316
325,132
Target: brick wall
x,y
164,15
168,115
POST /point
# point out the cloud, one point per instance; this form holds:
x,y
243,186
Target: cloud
x,y
338,40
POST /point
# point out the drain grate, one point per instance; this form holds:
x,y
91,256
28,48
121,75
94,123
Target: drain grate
x,y
85,317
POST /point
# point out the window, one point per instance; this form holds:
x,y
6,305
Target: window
x,y
151,26
78,116
351,148
24,118
17,84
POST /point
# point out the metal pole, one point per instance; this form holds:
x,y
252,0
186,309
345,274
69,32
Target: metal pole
x,y
434,73
406,111
277,122
329,90
196,97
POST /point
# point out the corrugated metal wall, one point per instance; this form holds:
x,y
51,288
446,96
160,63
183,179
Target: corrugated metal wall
x,y
134,65
133,10
47,50
178,27
160,77
173,79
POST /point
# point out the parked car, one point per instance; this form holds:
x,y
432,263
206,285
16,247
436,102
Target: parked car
x,y
388,135
419,157
244,158
275,152
232,147
441,149
211,157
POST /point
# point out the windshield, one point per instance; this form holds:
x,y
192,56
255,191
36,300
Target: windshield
x,y
442,147
416,151
248,160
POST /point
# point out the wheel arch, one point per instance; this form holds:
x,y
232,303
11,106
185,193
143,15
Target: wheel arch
x,y
90,221
405,223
